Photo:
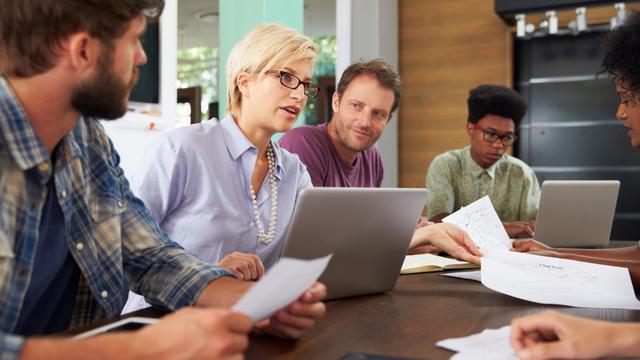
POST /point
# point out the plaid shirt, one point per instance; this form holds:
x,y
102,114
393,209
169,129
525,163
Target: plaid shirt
x,y
111,235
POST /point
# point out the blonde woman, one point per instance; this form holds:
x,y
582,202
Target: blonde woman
x,y
224,190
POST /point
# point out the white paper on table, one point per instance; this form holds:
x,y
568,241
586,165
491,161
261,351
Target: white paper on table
x,y
280,286
467,275
549,280
480,220
488,344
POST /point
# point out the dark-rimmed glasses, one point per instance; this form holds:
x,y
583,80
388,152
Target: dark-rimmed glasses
x,y
491,136
291,81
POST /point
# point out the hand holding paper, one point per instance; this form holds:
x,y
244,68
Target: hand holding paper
x,y
282,284
480,220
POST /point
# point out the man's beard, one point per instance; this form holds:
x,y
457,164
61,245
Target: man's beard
x,y
344,138
104,96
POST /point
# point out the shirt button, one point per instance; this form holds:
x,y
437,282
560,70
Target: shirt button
x,y
63,194
43,167
79,246
120,204
251,224
104,294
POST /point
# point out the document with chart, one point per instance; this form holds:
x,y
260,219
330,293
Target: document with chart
x,y
549,280
480,220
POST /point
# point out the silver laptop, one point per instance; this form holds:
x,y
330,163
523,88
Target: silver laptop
x,y
576,213
368,230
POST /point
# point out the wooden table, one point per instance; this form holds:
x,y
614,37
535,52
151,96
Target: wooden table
x,y
408,321
405,322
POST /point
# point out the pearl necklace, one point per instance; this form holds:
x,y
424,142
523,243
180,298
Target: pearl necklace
x,y
267,237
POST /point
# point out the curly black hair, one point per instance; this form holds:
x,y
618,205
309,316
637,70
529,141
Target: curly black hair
x,y
496,100
622,57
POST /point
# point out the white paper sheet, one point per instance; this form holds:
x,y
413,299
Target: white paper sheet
x,y
489,344
280,286
480,220
549,280
467,275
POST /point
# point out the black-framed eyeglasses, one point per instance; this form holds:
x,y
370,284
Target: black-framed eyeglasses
x,y
291,81
491,136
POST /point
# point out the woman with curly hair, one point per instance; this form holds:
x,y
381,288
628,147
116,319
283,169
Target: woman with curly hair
x,y
555,335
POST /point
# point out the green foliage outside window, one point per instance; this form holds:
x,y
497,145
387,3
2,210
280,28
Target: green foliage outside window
x,y
199,67
325,66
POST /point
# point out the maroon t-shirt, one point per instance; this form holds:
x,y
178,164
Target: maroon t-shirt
x,y
315,149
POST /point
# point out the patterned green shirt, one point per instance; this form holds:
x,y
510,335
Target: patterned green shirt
x,y
454,179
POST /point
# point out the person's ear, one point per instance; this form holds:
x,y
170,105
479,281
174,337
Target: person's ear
x,y
470,129
243,80
335,102
83,50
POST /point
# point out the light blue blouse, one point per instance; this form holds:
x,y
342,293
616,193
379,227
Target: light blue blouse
x,y
195,182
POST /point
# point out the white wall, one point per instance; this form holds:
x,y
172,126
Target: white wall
x,y
368,29
131,134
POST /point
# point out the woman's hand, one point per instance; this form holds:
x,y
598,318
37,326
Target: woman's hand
x,y
243,266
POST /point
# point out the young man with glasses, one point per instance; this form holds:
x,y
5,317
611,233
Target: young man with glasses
x,y
459,177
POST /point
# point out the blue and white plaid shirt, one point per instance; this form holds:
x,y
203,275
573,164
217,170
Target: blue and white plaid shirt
x,y
111,235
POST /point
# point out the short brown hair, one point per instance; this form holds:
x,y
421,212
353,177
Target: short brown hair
x,y
383,72
31,30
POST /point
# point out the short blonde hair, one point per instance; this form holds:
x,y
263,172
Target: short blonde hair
x,y
260,50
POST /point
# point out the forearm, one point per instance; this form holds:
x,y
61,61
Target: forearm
x,y
625,340
110,346
624,253
223,292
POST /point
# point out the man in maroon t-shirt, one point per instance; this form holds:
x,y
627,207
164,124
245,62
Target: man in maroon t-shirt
x,y
341,153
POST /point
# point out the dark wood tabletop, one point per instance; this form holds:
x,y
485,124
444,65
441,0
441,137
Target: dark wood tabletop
x,y
407,321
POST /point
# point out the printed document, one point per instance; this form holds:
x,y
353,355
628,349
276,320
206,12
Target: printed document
x,y
480,220
489,344
280,286
548,280
467,275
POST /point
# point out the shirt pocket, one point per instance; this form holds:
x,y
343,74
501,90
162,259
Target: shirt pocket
x,y
104,207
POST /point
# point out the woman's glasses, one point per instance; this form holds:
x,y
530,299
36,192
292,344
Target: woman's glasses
x,y
292,82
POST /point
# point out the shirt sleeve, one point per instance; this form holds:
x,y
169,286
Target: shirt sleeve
x,y
530,198
310,152
305,179
160,179
10,346
440,195
155,266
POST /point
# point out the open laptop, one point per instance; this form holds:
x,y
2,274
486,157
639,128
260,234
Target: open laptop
x,y
368,230
576,213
